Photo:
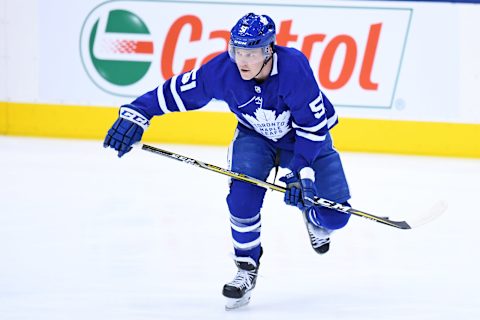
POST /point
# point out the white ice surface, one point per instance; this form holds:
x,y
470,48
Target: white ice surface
x,y
85,235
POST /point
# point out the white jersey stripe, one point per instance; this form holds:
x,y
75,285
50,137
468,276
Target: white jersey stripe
x,y
161,100
310,136
331,121
310,129
178,100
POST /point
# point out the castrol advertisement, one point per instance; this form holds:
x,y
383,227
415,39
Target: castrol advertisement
x,y
126,47
369,58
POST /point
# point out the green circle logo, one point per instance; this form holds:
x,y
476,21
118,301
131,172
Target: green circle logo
x,y
116,48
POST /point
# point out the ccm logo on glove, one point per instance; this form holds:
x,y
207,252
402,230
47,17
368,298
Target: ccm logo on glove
x,y
135,117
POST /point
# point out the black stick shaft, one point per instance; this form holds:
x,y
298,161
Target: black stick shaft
x,y
242,177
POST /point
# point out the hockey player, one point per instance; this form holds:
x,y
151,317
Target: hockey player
x,y
283,120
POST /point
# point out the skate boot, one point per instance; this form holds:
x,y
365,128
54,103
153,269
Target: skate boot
x,y
238,290
319,236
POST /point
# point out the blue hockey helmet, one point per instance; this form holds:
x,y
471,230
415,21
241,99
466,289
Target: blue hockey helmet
x,y
252,31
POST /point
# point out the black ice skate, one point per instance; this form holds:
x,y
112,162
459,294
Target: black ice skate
x,y
238,290
319,236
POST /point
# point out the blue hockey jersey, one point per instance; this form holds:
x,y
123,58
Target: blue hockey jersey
x,y
287,108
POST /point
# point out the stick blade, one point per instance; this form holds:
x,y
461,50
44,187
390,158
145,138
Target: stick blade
x,y
402,225
435,211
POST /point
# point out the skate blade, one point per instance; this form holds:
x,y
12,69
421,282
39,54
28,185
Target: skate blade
x,y
233,304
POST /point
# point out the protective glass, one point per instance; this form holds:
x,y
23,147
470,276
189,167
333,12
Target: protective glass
x,y
253,55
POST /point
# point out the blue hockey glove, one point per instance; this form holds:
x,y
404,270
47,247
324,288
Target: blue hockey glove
x,y
301,189
126,130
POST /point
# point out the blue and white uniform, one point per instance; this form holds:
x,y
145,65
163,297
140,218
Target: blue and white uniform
x,y
283,120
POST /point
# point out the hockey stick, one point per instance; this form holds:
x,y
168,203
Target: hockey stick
x,y
242,177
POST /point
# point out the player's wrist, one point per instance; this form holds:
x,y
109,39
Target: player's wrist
x,y
307,173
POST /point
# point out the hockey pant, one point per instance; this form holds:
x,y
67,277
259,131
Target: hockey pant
x,y
255,156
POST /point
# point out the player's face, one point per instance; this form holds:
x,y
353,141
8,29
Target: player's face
x,y
249,62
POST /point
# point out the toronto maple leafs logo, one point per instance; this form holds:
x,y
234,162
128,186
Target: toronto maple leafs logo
x,y
268,124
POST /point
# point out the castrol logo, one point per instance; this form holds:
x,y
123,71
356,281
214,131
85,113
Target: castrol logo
x,y
129,47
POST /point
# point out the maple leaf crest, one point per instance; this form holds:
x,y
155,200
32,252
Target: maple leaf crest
x,y
268,124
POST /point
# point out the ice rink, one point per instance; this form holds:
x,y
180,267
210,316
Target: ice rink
x,y
85,235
